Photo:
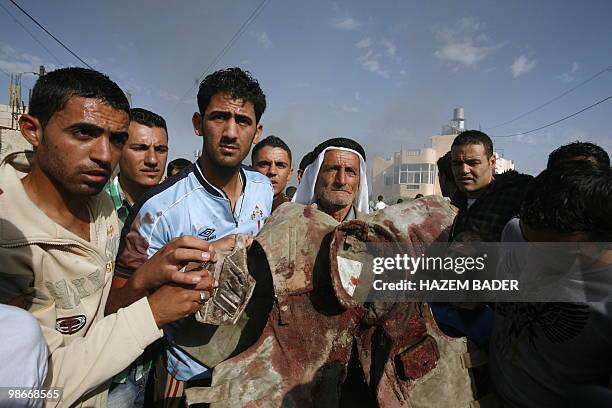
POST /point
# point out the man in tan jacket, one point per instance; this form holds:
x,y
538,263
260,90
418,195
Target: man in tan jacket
x,y
59,236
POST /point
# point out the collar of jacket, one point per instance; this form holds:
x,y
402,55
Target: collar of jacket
x,y
499,183
21,221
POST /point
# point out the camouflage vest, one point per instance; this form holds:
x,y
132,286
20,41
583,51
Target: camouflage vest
x,y
406,359
302,341
306,343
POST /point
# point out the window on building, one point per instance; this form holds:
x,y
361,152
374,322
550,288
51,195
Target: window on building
x,y
415,174
388,179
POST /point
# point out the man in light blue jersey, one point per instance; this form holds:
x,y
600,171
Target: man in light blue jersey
x,y
213,198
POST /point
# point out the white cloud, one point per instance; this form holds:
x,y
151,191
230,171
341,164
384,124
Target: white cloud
x,y
13,67
569,75
263,39
371,62
521,66
345,23
126,47
32,59
464,45
167,96
15,62
303,84
7,50
464,53
526,139
345,108
365,43
357,96
371,65
94,62
390,47
134,87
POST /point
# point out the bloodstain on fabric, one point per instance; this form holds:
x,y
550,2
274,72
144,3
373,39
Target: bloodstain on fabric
x,y
133,249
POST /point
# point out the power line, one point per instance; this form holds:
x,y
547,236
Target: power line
x,y
256,12
5,73
31,35
51,35
607,69
559,120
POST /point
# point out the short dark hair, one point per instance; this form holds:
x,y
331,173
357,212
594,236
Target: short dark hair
x,y
272,141
238,84
574,150
379,198
572,197
53,90
178,164
147,118
444,166
474,137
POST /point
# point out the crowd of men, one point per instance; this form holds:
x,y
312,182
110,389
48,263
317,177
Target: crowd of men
x,y
100,275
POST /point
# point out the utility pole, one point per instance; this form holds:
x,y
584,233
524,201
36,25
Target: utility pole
x,y
15,102
15,99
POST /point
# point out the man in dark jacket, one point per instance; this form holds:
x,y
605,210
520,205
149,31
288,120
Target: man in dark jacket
x,y
486,201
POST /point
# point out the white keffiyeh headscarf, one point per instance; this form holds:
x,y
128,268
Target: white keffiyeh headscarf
x,y
305,193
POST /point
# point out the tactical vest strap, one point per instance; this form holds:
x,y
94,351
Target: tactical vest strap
x,y
284,309
235,289
474,358
224,391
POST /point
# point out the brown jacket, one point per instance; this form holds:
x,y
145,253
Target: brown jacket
x,y
68,280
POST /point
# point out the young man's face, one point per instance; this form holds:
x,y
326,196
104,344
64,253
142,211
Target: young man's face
x,y
144,155
472,169
229,129
81,144
338,179
274,163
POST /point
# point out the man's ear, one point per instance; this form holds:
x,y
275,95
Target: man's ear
x,y
31,129
258,133
196,120
492,161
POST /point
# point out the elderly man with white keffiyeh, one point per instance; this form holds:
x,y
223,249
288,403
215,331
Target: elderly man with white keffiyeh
x,y
335,180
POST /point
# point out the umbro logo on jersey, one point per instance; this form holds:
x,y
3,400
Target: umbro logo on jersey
x,y
70,325
207,234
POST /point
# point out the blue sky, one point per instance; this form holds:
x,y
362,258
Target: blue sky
x,y
387,74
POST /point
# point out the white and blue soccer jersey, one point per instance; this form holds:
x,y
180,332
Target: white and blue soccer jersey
x,y
188,204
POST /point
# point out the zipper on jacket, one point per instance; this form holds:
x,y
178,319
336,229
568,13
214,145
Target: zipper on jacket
x,y
57,244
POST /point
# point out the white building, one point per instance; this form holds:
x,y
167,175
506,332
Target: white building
x,y
414,171
7,119
11,139
502,165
